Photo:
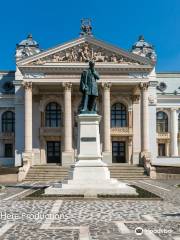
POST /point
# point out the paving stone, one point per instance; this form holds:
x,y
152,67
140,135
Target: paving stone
x,y
101,216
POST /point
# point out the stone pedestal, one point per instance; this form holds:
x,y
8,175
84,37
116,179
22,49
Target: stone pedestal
x,y
88,137
67,159
91,176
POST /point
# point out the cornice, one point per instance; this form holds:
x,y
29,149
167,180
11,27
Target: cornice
x,y
78,68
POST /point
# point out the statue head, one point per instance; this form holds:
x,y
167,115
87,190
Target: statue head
x,y
91,64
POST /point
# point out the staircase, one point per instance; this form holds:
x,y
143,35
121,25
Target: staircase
x,y
127,172
47,173
56,172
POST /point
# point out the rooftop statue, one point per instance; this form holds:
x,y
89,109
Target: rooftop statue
x,y
89,89
86,28
144,49
27,47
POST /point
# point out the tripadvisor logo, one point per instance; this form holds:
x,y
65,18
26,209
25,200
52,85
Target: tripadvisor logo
x,y
139,231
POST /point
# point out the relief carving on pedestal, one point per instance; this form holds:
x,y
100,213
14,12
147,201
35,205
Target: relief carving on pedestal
x,y
83,53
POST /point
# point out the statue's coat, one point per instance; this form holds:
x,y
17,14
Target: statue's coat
x,y
88,82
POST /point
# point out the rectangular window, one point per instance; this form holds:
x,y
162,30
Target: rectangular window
x,y
8,150
161,149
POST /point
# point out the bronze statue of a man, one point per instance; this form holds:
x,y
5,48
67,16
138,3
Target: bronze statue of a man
x,y
89,89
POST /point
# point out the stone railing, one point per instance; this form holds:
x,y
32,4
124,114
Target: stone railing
x,y
163,135
7,135
121,131
50,131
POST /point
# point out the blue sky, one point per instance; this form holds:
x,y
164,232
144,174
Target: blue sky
x,y
118,22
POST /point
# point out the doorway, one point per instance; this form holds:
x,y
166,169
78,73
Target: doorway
x,y
118,152
161,150
54,152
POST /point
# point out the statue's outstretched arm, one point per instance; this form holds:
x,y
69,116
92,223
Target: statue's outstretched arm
x,y
96,75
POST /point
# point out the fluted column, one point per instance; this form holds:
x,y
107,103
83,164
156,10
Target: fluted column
x,y
67,118
28,116
145,117
130,118
107,117
174,132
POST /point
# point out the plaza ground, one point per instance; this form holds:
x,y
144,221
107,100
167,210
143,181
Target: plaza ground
x,y
91,219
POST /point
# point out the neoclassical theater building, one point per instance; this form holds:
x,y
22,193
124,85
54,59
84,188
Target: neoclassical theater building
x,y
39,103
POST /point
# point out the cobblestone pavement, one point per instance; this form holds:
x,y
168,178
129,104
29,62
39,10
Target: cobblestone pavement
x,y
91,219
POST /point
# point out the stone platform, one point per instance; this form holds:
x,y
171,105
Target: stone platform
x,y
91,176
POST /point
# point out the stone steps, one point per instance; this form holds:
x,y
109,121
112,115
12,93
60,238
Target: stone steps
x,y
47,173
130,177
56,172
127,172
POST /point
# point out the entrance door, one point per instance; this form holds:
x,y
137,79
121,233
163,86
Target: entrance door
x,y
118,152
53,152
161,149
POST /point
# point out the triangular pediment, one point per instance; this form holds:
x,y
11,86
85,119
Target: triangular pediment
x,y
82,50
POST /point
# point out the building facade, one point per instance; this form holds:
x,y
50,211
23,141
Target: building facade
x,y
140,108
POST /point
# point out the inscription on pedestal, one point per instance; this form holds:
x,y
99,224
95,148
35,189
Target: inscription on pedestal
x,y
88,139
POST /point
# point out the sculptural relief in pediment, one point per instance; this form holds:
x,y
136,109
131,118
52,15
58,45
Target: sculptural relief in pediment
x,y
83,53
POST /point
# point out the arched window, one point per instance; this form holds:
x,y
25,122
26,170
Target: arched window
x,y
8,121
162,122
179,122
53,115
118,115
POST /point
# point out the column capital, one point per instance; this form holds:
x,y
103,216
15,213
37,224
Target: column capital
x,y
67,86
173,109
143,86
27,85
106,85
135,98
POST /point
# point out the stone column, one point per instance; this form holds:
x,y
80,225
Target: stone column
x,y
174,132
107,117
67,118
67,154
107,123
145,117
28,117
136,128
